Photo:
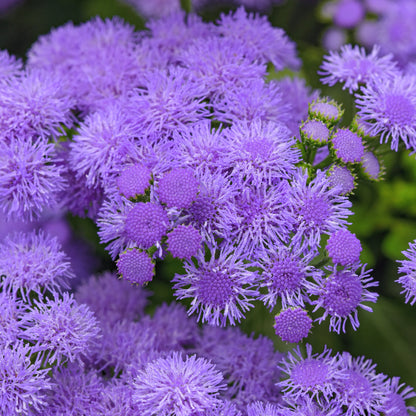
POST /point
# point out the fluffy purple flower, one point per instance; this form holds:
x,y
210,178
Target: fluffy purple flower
x,y
177,385
361,390
112,299
184,241
146,224
247,362
260,152
104,142
75,390
136,266
292,324
341,294
35,104
60,329
155,9
371,165
348,13
23,382
317,206
325,110
169,100
344,247
10,66
407,270
315,131
347,145
220,286
35,262
341,177
134,180
11,312
352,67
263,41
178,188
387,107
394,403
315,375
261,409
30,179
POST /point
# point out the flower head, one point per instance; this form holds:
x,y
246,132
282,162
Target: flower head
x,y
347,145
292,324
134,180
407,269
184,241
344,247
136,266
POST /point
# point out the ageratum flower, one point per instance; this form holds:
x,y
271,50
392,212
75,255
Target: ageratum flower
x,y
347,146
352,67
407,269
11,311
184,241
177,385
136,266
219,284
265,409
10,66
23,382
292,324
387,107
155,9
341,294
30,179
361,390
60,329
341,177
134,180
33,261
394,403
344,247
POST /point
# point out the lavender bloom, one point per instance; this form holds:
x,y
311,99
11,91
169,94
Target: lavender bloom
x,y
184,242
387,107
134,180
407,269
348,13
371,166
76,392
340,294
11,312
316,375
174,385
35,104
315,131
136,266
23,383
10,66
265,42
112,299
361,390
248,364
352,66
60,329
260,152
325,110
317,206
30,178
347,145
340,177
33,262
261,409
292,324
104,142
221,286
394,403
155,9
344,248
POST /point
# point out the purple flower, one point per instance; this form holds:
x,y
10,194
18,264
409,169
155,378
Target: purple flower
x,y
112,299
155,9
348,13
340,177
387,107
315,131
177,385
136,266
146,224
10,66
104,142
352,67
292,324
60,329
260,152
23,382
347,145
261,409
33,262
30,179
11,312
361,390
344,248
134,180
371,166
315,375
317,207
394,403
35,104
184,241
407,269
221,286
262,41
341,294
247,362
178,188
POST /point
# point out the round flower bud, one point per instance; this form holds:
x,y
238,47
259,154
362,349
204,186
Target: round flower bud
x,y
342,177
348,146
293,324
315,131
344,247
325,110
371,165
178,188
146,224
135,266
184,241
348,13
134,180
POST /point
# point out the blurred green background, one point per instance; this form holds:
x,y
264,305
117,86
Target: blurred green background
x,y
385,212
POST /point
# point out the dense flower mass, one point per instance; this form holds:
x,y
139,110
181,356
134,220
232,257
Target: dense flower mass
x,y
209,172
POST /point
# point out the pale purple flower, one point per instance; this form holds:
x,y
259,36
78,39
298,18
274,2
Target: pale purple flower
x,y
134,180
10,66
347,145
325,110
344,247
407,271
292,324
371,165
394,403
177,385
136,266
184,241
220,286
155,9
315,131
341,177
